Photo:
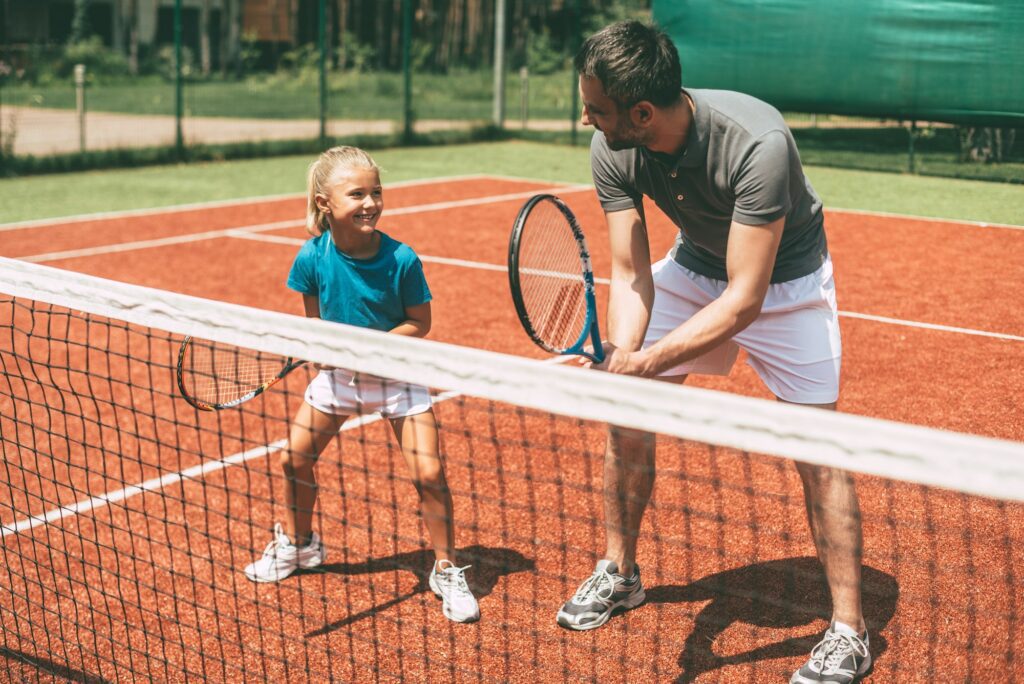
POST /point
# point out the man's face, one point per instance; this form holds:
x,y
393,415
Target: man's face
x,y
604,114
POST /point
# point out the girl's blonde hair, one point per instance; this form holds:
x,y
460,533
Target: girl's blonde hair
x,y
318,180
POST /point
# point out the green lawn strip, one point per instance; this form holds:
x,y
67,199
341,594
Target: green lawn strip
x,y
47,196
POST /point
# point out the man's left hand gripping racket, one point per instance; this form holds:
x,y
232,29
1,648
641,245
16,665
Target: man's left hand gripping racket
x,y
551,279
215,376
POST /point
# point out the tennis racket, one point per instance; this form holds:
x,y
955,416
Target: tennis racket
x,y
213,376
551,279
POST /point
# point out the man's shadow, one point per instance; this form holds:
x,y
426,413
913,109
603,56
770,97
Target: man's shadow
x,y
784,594
489,564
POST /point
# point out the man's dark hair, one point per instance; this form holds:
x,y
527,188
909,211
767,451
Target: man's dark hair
x,y
634,62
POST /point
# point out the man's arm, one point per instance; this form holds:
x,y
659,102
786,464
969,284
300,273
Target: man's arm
x,y
750,257
631,295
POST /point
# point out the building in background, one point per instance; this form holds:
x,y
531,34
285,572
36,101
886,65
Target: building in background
x,y
213,30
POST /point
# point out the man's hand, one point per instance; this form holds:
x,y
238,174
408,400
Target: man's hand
x,y
619,361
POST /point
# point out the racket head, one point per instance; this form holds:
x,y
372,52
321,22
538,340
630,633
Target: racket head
x,y
213,375
551,279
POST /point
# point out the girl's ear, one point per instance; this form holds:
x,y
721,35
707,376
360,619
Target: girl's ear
x,y
322,202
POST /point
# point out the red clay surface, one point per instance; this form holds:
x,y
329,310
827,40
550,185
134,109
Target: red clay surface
x,y
150,587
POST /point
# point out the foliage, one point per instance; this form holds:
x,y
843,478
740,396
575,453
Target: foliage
x,y
542,56
352,54
100,61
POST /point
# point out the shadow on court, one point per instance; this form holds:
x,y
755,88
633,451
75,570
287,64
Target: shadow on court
x,y
51,668
489,565
782,594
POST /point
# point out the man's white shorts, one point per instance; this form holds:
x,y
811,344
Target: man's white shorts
x,y
793,345
342,392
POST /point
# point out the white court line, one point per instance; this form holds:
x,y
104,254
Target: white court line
x,y
214,204
232,232
841,210
478,265
158,483
193,473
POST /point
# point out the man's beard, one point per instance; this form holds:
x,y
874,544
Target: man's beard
x,y
625,139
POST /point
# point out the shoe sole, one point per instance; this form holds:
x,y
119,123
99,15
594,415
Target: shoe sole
x,y
628,603
856,678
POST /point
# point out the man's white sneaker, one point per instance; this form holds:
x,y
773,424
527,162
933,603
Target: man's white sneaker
x,y
449,583
281,558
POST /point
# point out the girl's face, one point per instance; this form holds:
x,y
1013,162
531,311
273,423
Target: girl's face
x,y
353,201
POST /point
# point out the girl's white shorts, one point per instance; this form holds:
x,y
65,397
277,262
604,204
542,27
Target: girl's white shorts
x,y
794,345
342,392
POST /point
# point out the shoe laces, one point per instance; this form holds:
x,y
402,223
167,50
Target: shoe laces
x,y
280,539
454,577
600,586
835,647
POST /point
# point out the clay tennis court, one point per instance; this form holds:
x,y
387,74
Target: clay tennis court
x,y
933,335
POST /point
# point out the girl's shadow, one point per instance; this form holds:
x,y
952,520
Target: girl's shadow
x,y
785,593
489,564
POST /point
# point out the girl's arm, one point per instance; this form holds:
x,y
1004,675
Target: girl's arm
x,y
311,303
417,322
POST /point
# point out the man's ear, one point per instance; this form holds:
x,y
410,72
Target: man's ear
x,y
642,113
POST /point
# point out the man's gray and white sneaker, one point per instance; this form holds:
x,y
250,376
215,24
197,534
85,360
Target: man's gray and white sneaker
x,y
600,595
449,583
839,658
281,557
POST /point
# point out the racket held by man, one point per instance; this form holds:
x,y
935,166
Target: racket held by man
x,y
552,281
213,376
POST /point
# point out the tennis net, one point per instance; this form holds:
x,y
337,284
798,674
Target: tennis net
x,y
127,516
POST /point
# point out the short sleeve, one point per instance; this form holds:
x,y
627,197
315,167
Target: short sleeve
x,y
414,284
302,276
762,181
615,188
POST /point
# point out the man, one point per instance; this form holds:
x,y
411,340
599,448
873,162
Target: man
x,y
750,269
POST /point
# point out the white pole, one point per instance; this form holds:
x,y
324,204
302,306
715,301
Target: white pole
x,y
499,63
524,95
80,104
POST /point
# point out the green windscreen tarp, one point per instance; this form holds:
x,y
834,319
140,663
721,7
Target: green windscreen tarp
x,y
927,60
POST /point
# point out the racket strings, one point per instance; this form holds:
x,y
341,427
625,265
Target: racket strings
x,y
551,277
219,374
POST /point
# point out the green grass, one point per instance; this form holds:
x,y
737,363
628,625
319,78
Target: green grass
x,y
67,194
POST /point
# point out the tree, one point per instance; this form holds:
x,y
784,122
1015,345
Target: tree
x,y
80,22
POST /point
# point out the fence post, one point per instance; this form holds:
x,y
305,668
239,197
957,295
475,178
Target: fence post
x,y
406,70
80,104
524,94
910,146
574,42
499,63
179,101
322,40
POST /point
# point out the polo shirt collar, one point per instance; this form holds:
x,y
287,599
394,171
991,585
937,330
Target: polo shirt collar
x,y
696,151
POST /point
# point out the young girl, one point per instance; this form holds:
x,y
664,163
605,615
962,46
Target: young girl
x,y
352,273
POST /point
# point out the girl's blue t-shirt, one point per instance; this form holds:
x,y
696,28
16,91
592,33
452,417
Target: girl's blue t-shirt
x,y
370,293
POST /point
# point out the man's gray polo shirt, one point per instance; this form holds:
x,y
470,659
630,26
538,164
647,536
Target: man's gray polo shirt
x,y
740,164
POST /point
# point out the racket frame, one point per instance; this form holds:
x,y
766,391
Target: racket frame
x,y
290,364
591,329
